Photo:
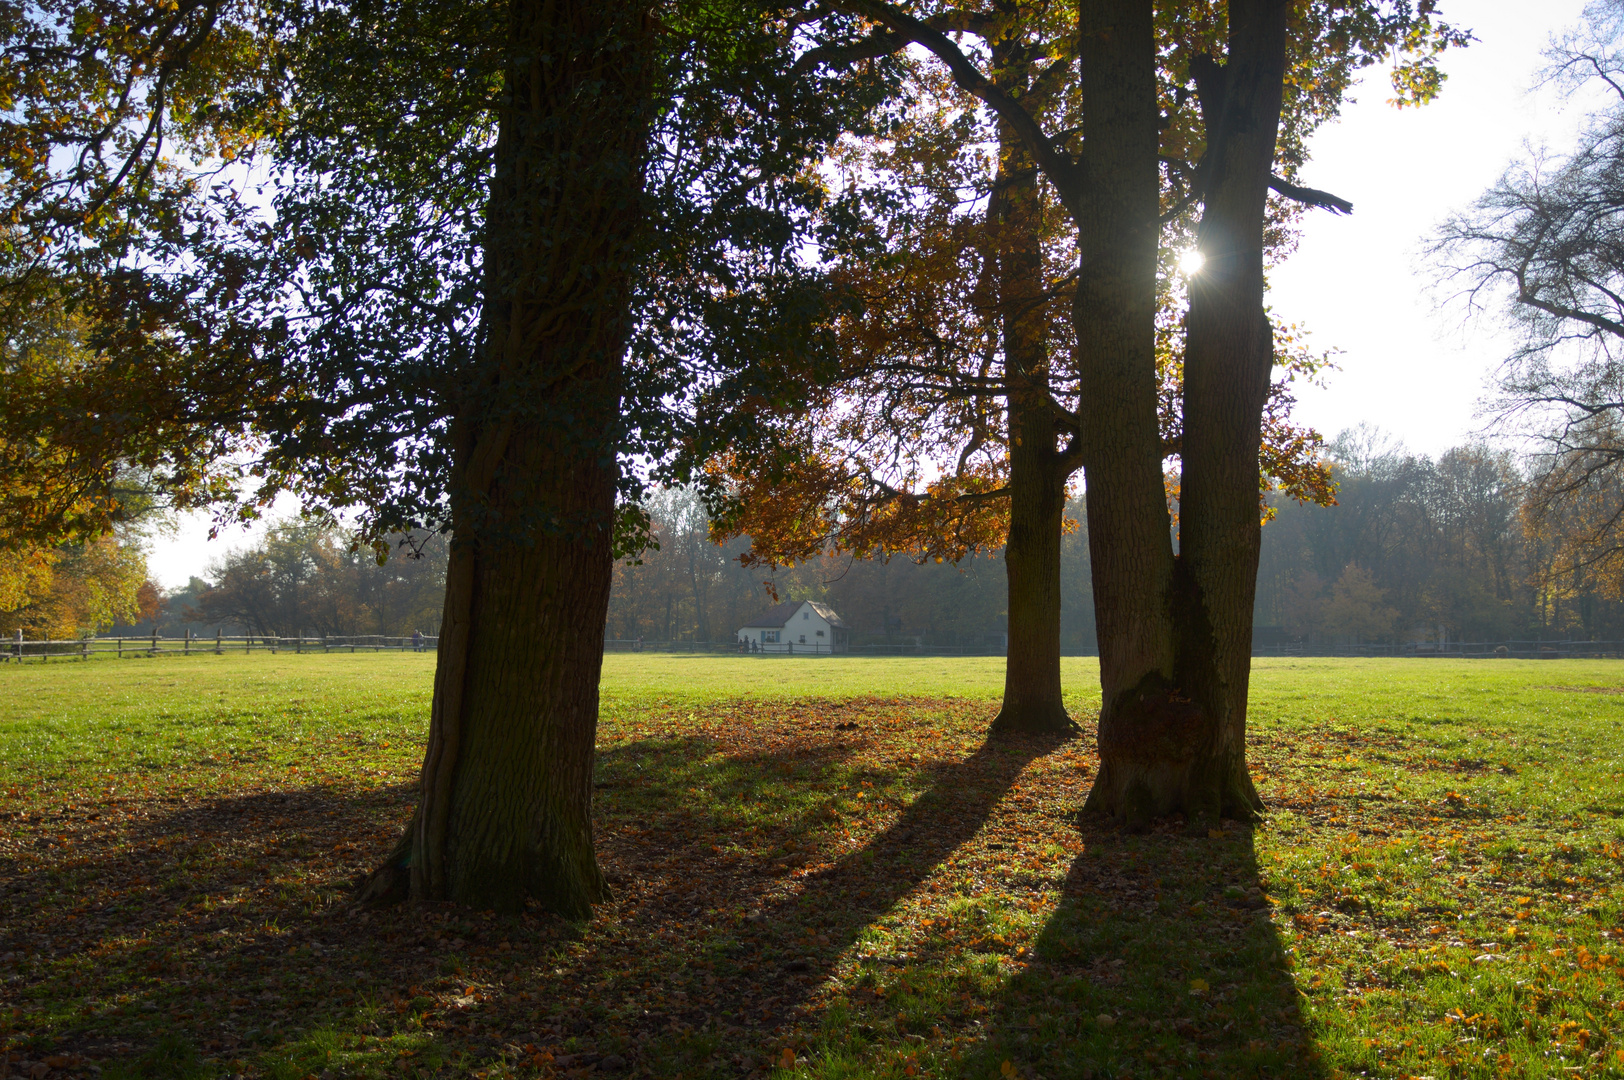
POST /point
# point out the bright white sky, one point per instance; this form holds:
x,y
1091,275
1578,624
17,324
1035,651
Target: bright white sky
x,y
1357,282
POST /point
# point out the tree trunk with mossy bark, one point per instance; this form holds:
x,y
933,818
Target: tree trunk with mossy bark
x,y
504,815
1228,361
1175,631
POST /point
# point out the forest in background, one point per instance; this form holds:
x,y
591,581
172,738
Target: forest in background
x,y
307,578
1458,545
693,589
1417,547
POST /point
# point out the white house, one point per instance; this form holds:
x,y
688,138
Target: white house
x,y
796,626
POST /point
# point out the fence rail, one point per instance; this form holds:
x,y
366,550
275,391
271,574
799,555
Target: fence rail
x,y
1458,650
18,648
795,648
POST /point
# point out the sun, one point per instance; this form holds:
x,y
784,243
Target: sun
x,y
1192,261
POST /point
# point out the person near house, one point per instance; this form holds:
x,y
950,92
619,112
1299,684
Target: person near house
x,y
417,641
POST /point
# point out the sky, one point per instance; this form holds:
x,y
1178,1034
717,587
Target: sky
x,y
1409,364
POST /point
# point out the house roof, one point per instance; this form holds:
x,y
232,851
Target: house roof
x,y
828,614
781,614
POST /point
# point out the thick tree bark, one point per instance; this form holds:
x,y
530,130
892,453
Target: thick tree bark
x,y
1229,354
505,805
1172,724
1174,631
1037,493
1144,730
1037,471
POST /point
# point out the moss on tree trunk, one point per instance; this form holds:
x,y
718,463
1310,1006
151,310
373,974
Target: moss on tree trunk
x,y
506,788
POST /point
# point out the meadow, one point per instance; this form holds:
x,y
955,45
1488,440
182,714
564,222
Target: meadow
x,y
820,869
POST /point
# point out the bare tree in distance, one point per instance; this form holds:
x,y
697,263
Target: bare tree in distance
x,y
1543,249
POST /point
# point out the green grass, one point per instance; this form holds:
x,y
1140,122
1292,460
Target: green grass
x,y
820,871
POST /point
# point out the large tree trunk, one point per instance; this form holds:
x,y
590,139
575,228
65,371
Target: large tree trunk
x,y
1037,503
1144,727
1037,474
505,806
1175,633
1228,357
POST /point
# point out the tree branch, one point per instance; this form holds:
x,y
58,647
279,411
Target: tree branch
x,y
1058,165
1311,196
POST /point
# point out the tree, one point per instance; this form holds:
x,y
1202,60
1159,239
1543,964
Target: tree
x,y
504,814
956,362
120,117
505,244
948,357
1544,249
73,590
1358,606
308,577
1444,540
1175,628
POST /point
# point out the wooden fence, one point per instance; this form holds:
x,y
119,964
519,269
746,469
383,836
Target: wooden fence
x,y
792,648
1457,650
19,648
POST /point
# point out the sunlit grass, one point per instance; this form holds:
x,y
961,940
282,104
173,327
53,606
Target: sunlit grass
x,y
819,868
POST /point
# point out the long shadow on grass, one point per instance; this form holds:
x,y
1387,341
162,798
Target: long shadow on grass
x,y
801,936
1160,961
220,922
732,949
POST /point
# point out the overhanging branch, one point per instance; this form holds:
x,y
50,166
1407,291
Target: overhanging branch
x,y
1311,196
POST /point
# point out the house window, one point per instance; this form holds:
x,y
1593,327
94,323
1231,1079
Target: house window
x,y
769,637
806,614
803,639
820,633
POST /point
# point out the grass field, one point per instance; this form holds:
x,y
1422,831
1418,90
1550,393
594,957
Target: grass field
x,y
820,870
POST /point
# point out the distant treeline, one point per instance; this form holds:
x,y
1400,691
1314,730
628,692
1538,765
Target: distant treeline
x,y
1415,548
1462,544
691,589
303,578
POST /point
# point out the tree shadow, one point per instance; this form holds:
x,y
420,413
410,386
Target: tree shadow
x,y
802,934
761,933
1161,960
749,886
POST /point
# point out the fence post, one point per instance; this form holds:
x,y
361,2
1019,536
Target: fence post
x,y
84,647
219,645
186,642
154,639
121,646
19,646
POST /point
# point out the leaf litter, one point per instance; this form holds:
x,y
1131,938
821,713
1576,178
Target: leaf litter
x,y
829,887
